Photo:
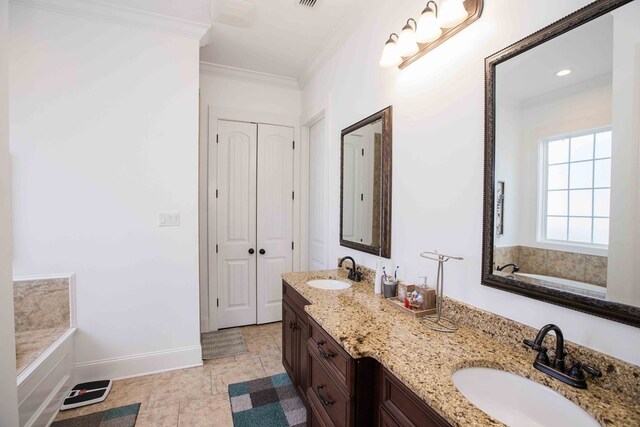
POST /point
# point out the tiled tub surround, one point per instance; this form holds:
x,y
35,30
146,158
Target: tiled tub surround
x,y
565,265
365,326
42,316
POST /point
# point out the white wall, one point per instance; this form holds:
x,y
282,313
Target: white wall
x,y
238,99
624,256
509,167
104,136
8,389
438,148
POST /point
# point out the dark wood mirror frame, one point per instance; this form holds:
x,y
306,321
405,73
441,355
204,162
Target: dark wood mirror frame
x,y
607,309
384,250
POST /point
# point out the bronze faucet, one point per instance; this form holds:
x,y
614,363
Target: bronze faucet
x,y
556,368
354,274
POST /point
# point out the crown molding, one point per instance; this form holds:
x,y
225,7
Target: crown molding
x,y
349,24
116,14
208,68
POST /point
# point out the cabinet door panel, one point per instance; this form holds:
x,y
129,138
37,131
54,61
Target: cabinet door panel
x,y
405,407
289,342
386,420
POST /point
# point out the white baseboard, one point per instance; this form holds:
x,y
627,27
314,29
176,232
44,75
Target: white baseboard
x,y
204,324
139,364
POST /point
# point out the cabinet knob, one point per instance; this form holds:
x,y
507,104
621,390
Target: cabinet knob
x,y
251,251
262,251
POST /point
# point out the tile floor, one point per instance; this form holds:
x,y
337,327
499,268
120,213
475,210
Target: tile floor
x,y
196,397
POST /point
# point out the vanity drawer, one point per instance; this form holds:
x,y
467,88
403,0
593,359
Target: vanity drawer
x,y
329,403
335,360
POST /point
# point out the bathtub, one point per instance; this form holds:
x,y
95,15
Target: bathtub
x,y
43,384
566,285
46,379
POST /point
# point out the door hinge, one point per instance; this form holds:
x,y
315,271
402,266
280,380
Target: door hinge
x,y
363,151
216,138
217,302
216,193
292,245
293,195
216,248
294,145
361,197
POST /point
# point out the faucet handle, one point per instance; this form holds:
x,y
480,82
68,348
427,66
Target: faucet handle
x,y
532,345
542,356
591,370
577,369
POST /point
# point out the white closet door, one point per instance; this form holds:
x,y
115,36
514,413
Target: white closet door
x,y
317,198
236,223
275,217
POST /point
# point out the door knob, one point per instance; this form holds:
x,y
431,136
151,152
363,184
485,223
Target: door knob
x,y
251,251
262,251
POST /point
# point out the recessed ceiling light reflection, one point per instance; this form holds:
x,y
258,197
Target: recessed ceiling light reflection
x,y
564,72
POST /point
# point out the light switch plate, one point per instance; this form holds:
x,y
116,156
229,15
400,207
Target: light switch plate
x,y
169,219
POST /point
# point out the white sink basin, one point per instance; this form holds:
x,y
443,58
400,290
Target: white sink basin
x,y
517,401
329,284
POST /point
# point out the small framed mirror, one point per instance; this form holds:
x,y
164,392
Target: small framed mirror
x,y
561,163
365,185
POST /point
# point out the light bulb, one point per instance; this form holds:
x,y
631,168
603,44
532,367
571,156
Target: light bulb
x,y
407,45
428,29
390,56
451,13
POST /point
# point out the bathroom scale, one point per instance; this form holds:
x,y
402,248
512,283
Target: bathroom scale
x,y
86,394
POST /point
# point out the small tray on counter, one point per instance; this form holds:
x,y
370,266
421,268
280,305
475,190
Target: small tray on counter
x,y
395,302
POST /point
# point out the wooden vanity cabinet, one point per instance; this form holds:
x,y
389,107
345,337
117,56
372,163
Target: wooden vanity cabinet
x,y
295,333
341,391
400,407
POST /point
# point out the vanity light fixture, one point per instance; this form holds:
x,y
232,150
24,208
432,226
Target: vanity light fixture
x,y
428,28
437,23
563,73
452,13
407,44
390,55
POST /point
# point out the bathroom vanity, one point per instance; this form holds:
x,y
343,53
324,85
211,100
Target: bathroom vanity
x,y
357,361
341,390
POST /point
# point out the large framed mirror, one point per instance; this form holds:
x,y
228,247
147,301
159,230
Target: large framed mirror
x,y
562,163
365,184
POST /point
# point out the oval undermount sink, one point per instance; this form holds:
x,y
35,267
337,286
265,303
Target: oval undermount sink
x,y
329,284
517,401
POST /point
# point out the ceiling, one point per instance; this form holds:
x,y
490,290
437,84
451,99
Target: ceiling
x,y
191,10
284,38
587,51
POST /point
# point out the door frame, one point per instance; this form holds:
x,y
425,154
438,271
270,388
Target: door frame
x,y
306,159
207,200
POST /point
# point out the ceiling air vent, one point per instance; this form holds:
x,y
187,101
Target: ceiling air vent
x,y
308,3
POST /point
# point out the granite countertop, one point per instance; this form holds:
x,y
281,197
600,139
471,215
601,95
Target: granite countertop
x,y
366,326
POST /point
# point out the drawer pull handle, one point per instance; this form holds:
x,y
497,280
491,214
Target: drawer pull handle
x,y
293,325
323,400
323,353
